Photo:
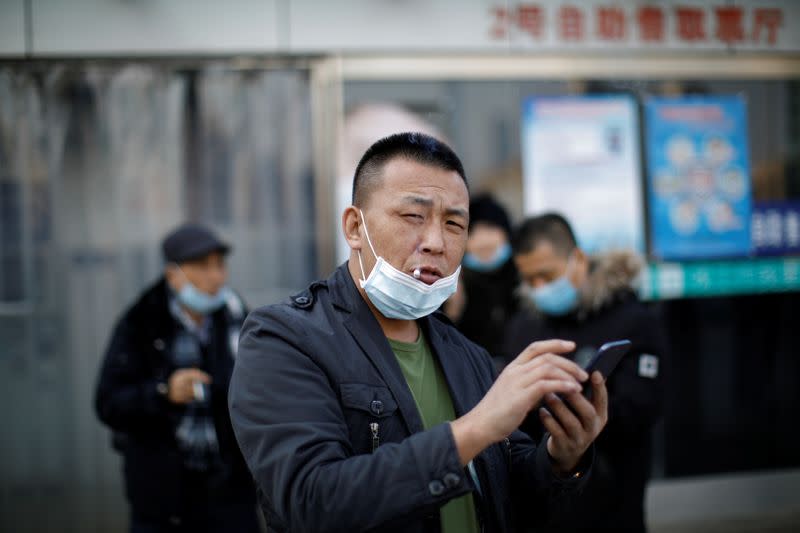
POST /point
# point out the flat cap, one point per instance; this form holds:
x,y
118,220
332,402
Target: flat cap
x,y
191,241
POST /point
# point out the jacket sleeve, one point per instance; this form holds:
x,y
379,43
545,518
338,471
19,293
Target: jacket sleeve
x,y
635,398
292,432
126,396
541,495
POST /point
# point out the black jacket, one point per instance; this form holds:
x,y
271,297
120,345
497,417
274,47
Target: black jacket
x,y
490,304
609,310
143,421
314,372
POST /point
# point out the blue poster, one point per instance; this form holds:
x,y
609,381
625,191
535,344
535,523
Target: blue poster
x,y
698,177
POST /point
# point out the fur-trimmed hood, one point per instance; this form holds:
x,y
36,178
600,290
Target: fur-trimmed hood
x,y
612,275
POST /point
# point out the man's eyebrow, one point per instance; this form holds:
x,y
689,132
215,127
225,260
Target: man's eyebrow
x,y
457,211
427,202
419,200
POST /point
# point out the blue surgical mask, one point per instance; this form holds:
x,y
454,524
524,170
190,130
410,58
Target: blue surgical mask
x,y
199,301
397,295
557,298
498,259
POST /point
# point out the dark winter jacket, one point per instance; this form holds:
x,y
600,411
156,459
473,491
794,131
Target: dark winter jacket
x,y
609,310
313,373
490,304
143,421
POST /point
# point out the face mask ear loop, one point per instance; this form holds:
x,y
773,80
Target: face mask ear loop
x,y
366,232
361,264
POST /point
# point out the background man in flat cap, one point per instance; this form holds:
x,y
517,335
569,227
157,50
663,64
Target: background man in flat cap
x,y
162,390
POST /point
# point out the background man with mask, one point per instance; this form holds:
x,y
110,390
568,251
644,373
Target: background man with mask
x,y
358,408
592,302
163,387
485,299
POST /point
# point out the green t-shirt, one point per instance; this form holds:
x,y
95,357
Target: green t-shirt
x,y
429,388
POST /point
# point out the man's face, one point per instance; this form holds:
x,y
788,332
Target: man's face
x,y
484,240
209,273
544,264
417,217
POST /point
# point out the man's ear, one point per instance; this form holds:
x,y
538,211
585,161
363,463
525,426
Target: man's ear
x,y
582,264
351,221
173,277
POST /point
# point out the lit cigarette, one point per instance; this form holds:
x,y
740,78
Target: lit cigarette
x,y
199,391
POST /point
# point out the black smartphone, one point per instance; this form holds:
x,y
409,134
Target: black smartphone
x,y
605,360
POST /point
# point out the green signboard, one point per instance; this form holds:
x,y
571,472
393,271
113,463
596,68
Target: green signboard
x,y
716,278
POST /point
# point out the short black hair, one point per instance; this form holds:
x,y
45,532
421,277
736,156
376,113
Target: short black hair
x,y
484,208
414,146
550,227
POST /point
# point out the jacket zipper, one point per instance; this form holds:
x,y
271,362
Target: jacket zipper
x,y
374,428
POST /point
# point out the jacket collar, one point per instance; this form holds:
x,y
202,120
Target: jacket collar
x,y
366,331
151,312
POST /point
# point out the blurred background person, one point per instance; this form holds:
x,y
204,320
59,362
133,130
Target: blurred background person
x,y
163,388
485,299
592,301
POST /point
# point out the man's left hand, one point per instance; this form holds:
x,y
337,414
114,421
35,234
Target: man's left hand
x,y
572,430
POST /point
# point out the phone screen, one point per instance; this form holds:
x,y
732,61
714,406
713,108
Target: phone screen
x,y
605,360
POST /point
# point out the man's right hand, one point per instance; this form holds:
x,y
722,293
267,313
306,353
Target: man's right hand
x,y
181,384
522,385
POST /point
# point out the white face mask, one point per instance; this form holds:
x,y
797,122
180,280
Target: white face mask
x,y
397,295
